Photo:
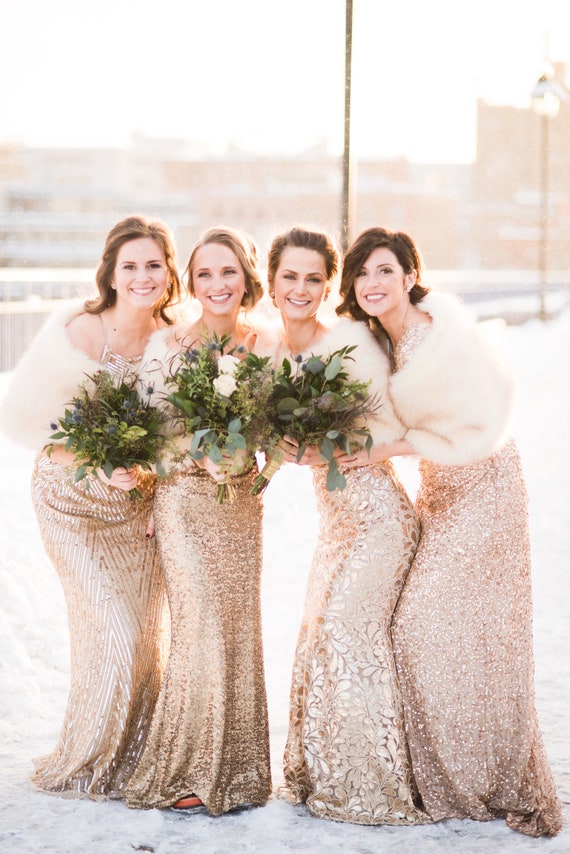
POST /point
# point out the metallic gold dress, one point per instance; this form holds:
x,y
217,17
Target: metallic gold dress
x,y
463,644
209,734
346,753
114,591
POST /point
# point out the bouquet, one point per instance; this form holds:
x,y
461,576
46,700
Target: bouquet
x,y
110,426
222,400
316,403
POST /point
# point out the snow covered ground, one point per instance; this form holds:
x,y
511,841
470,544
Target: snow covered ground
x,y
34,656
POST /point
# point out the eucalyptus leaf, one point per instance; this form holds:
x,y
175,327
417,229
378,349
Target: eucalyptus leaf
x,y
326,450
235,425
333,367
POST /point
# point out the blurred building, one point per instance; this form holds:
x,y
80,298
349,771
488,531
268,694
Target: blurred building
x,y
507,185
56,205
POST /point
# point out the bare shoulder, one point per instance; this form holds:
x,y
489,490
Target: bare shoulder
x,y
85,333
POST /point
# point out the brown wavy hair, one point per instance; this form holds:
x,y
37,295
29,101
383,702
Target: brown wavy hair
x,y
405,250
133,228
244,248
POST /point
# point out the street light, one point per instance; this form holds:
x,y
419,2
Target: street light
x,y
546,97
347,176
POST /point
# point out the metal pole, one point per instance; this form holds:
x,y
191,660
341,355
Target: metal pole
x,y
543,241
345,216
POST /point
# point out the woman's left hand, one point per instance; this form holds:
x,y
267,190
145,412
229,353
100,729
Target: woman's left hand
x,y
399,448
356,458
150,528
290,449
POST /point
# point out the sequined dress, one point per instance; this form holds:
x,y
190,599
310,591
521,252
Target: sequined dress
x,y
114,591
463,644
209,734
346,753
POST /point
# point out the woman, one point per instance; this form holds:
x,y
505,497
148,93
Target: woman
x,y
462,630
209,741
94,533
346,754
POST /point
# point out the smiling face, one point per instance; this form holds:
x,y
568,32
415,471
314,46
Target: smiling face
x,y
381,285
300,283
140,273
218,280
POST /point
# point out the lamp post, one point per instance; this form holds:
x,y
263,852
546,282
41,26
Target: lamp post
x,y
546,97
347,178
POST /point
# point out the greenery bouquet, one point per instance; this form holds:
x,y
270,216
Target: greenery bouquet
x,y
109,424
315,402
222,400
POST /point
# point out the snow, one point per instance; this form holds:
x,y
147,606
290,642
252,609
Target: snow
x,y
34,655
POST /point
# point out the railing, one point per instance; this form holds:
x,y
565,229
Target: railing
x,y
28,295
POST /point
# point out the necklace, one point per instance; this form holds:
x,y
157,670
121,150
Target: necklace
x,y
130,359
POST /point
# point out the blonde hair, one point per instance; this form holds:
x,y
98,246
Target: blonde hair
x,y
244,248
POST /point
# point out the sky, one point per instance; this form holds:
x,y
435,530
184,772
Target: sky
x,y
268,75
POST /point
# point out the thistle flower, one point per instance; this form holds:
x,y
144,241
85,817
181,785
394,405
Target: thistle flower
x,y
110,426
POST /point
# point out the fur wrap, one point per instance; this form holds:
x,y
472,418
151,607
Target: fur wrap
x,y
47,377
454,394
44,381
369,364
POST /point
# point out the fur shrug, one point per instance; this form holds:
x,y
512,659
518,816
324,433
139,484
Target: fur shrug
x,y
46,378
454,394
368,363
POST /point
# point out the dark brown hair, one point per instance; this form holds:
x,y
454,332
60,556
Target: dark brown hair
x,y
133,228
404,249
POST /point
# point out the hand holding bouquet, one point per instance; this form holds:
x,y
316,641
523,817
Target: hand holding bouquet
x,y
222,400
316,403
110,425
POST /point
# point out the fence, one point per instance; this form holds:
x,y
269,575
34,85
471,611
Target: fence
x,y
27,296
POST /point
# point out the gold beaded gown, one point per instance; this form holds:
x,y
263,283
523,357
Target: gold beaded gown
x,y
114,591
209,735
346,755
463,644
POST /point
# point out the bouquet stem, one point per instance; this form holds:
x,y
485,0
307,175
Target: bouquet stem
x,y
226,492
270,468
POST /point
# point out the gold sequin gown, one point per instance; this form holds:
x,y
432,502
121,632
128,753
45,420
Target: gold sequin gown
x,y
346,753
115,597
463,644
209,734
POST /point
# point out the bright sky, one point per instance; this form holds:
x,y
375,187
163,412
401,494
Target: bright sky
x,y
268,75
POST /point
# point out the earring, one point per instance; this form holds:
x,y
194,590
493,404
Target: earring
x,y
113,285
409,288
272,294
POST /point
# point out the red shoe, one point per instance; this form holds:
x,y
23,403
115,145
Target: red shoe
x,y
190,802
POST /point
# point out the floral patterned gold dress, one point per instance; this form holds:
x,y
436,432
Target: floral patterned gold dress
x,y
346,755
463,644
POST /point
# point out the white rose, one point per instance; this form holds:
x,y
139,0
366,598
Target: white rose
x,y
225,385
228,365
